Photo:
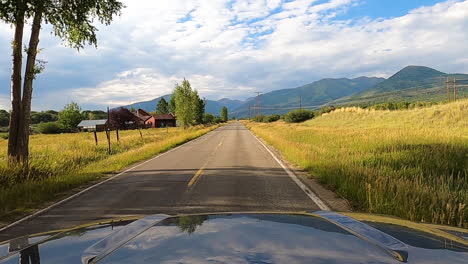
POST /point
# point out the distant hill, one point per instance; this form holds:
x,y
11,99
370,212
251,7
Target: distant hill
x,y
412,83
229,103
212,107
312,95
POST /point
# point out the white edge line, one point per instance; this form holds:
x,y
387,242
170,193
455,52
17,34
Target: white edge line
x,y
303,187
96,185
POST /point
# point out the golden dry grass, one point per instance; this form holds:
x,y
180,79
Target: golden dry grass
x,y
408,163
65,161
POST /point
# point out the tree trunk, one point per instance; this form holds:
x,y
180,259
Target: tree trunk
x,y
15,118
23,131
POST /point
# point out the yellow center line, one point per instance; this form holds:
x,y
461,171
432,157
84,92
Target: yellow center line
x,y
200,171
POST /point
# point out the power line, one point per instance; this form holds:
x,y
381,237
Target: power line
x,y
258,102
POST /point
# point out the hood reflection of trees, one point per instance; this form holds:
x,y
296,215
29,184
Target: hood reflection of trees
x,y
190,223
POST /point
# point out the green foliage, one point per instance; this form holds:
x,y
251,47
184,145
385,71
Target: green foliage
x,y
208,118
266,119
162,107
74,20
183,102
198,105
189,224
94,115
189,108
258,118
401,105
325,109
224,114
50,128
272,118
218,120
70,116
4,118
43,117
299,115
172,104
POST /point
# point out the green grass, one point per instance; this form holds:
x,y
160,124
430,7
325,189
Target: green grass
x,y
62,162
408,163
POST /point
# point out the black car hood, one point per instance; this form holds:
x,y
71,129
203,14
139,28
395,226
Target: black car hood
x,y
320,237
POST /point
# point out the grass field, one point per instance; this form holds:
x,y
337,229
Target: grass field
x,y
62,162
409,163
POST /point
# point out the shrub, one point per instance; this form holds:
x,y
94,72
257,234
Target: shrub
x,y
208,118
50,128
258,118
271,118
299,115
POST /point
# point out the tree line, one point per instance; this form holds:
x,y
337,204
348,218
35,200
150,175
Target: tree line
x,y
53,122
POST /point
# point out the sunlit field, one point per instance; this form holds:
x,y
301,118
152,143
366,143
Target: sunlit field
x,y
409,163
62,162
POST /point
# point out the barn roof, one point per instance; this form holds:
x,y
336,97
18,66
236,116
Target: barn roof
x,y
91,123
164,117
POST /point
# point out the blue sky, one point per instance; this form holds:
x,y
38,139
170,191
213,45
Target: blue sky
x,y
232,48
385,8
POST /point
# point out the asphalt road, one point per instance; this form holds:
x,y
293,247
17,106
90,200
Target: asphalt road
x,y
225,170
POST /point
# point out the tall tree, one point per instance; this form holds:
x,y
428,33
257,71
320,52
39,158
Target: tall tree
x,y
73,22
162,107
70,116
183,102
224,114
172,106
198,105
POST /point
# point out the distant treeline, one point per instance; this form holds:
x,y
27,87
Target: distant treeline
x,y
53,122
397,105
50,116
301,115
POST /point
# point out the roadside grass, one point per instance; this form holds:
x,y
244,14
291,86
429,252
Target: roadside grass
x,y
62,162
407,163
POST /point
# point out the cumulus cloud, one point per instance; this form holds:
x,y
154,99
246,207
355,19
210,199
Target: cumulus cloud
x,y
232,48
143,84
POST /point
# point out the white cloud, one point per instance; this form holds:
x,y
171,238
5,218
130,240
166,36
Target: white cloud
x,y
144,84
5,102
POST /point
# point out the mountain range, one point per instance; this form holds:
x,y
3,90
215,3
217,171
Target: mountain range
x,y
412,83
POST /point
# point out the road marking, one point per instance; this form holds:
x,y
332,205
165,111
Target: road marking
x,y
197,175
303,187
98,184
200,171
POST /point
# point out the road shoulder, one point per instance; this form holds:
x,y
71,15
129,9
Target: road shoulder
x,y
335,202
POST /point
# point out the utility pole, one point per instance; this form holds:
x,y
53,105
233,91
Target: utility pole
x,y
250,114
448,89
300,102
454,89
258,102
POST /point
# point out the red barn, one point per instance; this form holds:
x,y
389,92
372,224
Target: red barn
x,y
146,118
165,120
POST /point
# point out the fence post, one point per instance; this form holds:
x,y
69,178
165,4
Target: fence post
x,y
95,137
108,140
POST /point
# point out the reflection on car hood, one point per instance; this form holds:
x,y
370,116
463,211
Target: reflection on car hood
x,y
320,237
